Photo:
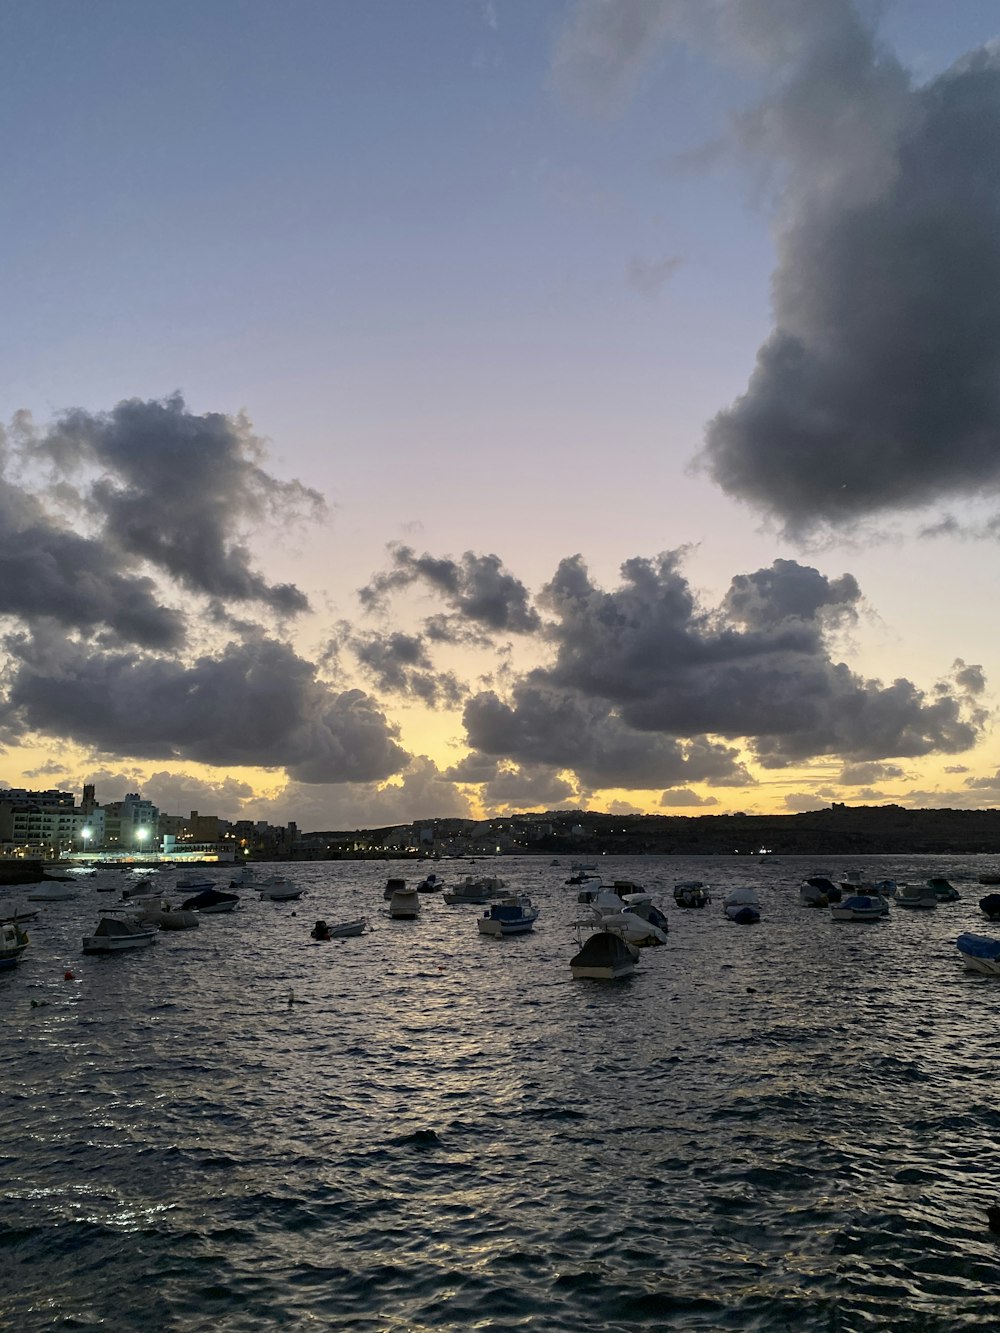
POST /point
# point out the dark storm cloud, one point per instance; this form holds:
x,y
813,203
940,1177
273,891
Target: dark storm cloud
x,y
47,571
863,775
178,490
528,788
879,387
255,704
400,663
476,589
638,670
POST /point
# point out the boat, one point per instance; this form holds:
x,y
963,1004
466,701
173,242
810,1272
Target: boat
x,y
741,905
211,900
430,884
980,953
812,895
392,886
826,887
118,930
990,906
478,891
604,956
54,891
632,915
691,893
195,885
916,898
942,890
244,877
279,889
13,942
161,914
515,915
580,871
404,905
989,879
341,930
860,907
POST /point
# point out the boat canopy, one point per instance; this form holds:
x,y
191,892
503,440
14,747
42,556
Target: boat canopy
x,y
978,946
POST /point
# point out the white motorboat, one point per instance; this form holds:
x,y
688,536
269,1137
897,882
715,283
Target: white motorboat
x,y
635,916
860,907
980,953
279,889
404,905
478,891
341,930
53,891
604,956
117,931
515,915
159,913
194,884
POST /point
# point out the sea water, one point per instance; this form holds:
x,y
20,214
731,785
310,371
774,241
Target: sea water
x,y
792,1125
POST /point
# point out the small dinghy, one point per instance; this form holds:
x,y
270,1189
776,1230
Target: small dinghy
x,y
341,930
916,898
979,953
278,889
211,900
605,956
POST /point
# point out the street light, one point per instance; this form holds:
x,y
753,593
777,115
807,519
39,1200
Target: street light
x,y
86,834
141,834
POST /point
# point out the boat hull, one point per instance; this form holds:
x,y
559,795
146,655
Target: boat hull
x,y
118,943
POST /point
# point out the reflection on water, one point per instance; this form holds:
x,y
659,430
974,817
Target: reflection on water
x,y
789,1125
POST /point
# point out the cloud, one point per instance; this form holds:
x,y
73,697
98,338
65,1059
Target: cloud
x,y
800,803
400,663
683,796
860,775
649,276
528,788
877,388
176,490
255,704
477,589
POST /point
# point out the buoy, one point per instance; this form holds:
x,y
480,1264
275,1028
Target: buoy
x,y
68,975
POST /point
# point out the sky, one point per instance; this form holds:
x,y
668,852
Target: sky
x,y
481,406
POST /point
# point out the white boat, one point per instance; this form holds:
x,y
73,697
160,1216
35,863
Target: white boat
x,y
13,942
404,905
279,889
54,891
117,931
634,916
341,930
741,905
244,877
980,953
195,885
604,956
156,912
917,897
479,891
515,915
860,907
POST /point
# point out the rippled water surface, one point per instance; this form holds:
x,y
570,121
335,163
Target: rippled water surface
x,y
787,1126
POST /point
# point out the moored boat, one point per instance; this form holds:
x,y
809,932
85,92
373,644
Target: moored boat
x,y
13,942
990,906
404,905
211,900
860,907
430,884
916,898
118,930
741,905
980,953
604,956
340,930
942,890
479,891
691,893
278,889
54,891
515,915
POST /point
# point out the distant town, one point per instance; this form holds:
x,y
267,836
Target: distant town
x,y
53,825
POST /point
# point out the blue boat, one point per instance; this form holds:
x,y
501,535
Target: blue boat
x,y
980,953
510,916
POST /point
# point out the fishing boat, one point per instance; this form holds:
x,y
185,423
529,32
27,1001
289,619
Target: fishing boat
x,y
980,953
691,893
211,900
13,942
479,891
604,956
404,905
860,907
741,905
515,915
118,930
278,889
